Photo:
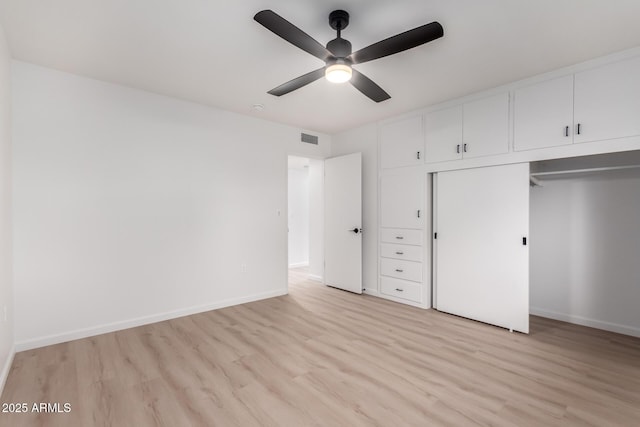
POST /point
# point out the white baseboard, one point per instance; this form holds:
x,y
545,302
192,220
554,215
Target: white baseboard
x,y
315,278
145,320
584,321
6,368
299,264
371,291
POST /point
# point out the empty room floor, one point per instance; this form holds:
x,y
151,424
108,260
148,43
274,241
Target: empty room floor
x,y
324,357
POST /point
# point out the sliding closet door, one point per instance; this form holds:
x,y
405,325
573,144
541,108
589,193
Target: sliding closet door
x,y
482,259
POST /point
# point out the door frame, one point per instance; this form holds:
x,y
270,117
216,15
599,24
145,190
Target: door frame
x,y
286,214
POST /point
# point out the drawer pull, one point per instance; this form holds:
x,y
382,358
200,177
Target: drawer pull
x,y
399,253
399,289
399,237
399,271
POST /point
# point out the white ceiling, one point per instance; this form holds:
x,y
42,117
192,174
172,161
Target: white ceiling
x,y
214,53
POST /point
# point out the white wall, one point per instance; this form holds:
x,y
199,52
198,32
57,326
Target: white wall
x,y
364,140
316,219
131,207
585,241
6,287
298,217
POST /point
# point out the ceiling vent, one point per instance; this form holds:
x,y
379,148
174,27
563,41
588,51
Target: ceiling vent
x,y
309,139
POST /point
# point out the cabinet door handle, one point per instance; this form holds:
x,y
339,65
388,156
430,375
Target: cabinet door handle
x,y
399,253
399,237
399,270
418,155
566,131
464,148
399,289
458,148
578,129
418,213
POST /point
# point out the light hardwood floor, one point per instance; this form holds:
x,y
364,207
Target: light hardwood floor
x,y
324,357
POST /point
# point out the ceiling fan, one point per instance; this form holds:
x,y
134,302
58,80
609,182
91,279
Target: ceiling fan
x,y
338,56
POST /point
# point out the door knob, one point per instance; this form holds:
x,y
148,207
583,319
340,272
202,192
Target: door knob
x,y
356,230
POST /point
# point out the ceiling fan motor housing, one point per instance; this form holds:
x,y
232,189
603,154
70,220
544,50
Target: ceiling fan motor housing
x,y
339,47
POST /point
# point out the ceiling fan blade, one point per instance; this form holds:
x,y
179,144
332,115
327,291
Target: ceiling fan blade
x,y
297,83
398,43
365,85
294,35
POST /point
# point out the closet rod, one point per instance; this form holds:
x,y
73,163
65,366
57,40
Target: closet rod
x,y
603,169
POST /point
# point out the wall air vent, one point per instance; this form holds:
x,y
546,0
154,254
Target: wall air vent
x,y
309,139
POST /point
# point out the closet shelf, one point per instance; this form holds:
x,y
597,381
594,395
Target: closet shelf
x,y
537,176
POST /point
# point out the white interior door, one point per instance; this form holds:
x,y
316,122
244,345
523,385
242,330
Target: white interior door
x,y
343,222
482,261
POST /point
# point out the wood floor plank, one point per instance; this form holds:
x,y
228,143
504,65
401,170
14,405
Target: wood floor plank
x,y
324,357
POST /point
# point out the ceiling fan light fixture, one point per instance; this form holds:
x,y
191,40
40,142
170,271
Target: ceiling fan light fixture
x,y
338,73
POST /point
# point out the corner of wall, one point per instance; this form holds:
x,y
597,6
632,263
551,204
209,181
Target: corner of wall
x,y
4,374
7,338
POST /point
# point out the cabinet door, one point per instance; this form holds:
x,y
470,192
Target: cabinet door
x,y
401,143
401,200
443,135
607,101
485,127
543,114
481,264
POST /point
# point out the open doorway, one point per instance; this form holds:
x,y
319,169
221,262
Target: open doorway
x,y
305,190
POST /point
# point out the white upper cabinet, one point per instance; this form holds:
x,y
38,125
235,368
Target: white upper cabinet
x,y
443,134
543,114
401,143
594,105
485,128
474,129
607,102
401,200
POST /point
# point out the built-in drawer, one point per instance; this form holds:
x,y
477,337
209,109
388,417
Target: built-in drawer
x,y
406,252
408,270
399,235
401,289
